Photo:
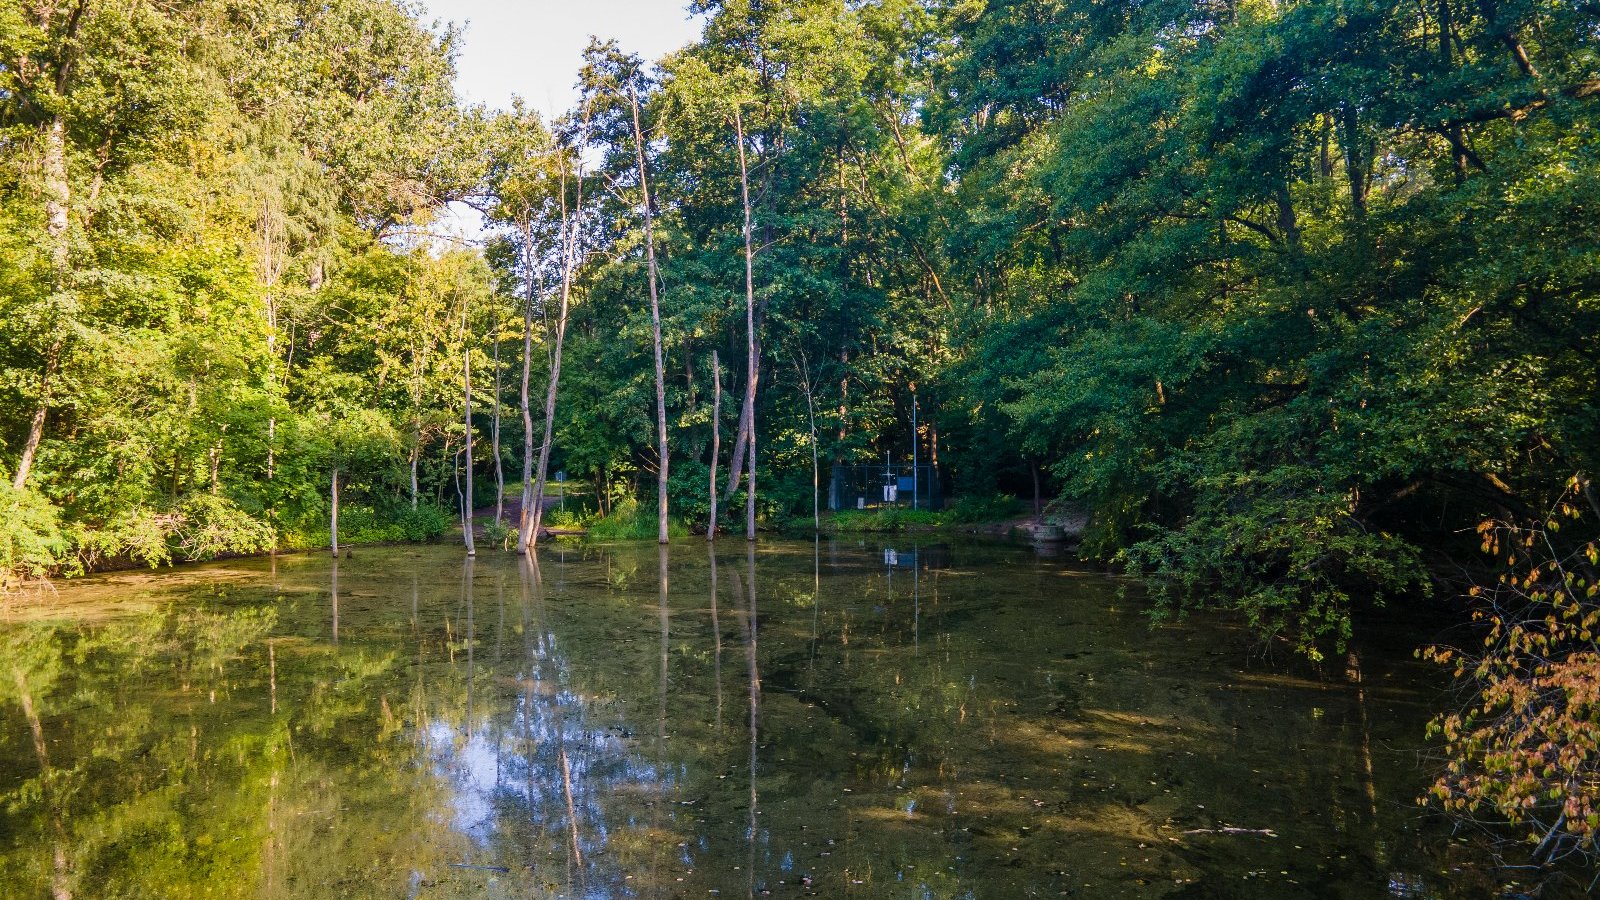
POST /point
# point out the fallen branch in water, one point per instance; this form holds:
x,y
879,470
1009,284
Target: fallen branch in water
x,y
1258,832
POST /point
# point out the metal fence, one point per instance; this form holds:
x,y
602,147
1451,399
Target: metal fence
x,y
885,484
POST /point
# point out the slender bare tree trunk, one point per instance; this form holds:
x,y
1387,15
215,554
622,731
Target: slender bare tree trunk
x,y
271,226
572,226
811,414
655,324
751,363
736,462
52,361
527,366
537,518
466,383
57,196
716,440
333,512
416,451
1038,500
499,467
57,204
57,191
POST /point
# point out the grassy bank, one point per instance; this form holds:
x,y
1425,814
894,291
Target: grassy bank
x,y
964,512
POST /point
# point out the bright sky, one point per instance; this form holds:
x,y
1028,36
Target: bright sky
x,y
533,47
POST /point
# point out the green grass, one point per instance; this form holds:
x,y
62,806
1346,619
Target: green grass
x,y
966,511
364,525
870,521
629,522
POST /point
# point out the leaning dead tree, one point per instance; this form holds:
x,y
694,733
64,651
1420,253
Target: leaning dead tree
x,y
571,169
655,322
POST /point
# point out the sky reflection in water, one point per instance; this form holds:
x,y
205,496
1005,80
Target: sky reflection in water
x,y
831,719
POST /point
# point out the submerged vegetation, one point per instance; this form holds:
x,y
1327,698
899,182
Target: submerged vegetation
x,y
1290,298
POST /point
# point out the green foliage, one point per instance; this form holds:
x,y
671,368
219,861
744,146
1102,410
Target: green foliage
x,y
887,519
631,521
202,526
32,542
369,525
424,523
686,490
975,509
1282,294
564,518
500,534
1523,747
1287,554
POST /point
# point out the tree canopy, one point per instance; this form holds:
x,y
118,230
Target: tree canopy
x,y
1285,297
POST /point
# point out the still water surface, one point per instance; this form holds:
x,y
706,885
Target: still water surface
x,y
833,719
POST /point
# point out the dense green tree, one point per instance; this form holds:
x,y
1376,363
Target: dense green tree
x,y
1280,295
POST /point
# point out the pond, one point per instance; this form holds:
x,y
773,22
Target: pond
x,y
834,719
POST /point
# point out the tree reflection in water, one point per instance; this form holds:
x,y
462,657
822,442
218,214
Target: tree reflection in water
x,y
991,725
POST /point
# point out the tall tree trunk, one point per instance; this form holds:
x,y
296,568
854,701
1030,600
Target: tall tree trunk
x,y
270,224
333,512
416,452
57,206
1357,161
811,414
57,193
527,366
499,467
655,324
466,383
736,462
1038,499
751,363
716,440
572,227
52,361
57,200
534,521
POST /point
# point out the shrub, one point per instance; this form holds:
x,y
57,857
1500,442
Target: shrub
x,y
32,543
686,489
1524,746
201,526
629,521
424,523
993,508
883,520
562,518
500,534
1282,547
207,526
366,525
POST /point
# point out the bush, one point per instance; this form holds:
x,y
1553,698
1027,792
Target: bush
x,y
366,525
32,543
1523,748
686,489
424,523
629,521
201,526
207,526
1283,548
883,520
993,508
499,534
562,518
